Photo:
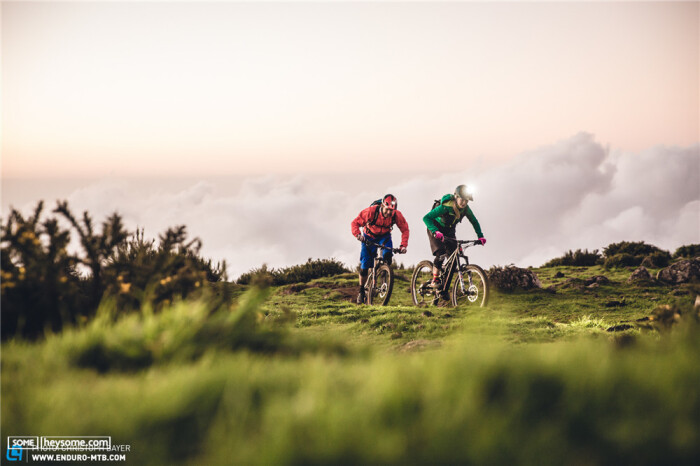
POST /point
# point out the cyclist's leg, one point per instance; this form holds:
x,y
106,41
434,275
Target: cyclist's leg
x,y
367,253
437,247
387,243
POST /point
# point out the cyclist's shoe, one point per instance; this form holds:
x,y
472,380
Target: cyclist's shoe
x,y
434,284
361,296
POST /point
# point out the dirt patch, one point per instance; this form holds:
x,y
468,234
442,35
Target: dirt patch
x,y
348,293
418,345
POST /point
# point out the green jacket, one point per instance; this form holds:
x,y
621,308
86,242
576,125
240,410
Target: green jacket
x,y
447,215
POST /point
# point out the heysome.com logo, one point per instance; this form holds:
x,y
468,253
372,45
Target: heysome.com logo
x,y
17,444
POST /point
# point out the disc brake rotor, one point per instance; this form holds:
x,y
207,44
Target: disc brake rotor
x,y
472,293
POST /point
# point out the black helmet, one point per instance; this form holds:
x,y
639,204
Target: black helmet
x,y
463,192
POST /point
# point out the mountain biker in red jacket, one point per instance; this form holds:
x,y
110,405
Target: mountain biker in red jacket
x,y
377,221
442,221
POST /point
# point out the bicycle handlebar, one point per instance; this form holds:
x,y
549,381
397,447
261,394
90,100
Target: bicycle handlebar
x,y
472,242
394,250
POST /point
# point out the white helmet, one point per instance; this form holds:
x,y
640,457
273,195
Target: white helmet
x,y
463,192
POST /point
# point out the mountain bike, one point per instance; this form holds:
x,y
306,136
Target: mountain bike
x,y
471,287
380,280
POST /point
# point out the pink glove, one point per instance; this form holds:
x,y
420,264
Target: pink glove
x,y
439,236
483,241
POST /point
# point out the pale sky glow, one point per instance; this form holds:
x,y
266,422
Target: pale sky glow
x,y
250,88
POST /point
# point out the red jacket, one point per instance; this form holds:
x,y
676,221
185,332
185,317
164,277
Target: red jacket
x,y
382,226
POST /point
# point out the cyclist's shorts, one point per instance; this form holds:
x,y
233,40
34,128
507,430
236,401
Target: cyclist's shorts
x,y
369,251
440,248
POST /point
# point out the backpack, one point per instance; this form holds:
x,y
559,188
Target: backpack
x,y
374,218
438,202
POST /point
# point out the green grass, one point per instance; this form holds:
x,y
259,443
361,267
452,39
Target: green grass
x,y
304,376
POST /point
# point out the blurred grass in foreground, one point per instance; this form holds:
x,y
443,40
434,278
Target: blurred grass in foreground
x,y
169,385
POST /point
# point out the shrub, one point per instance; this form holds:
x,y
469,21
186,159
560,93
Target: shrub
x,y
639,248
42,289
622,260
141,273
302,273
579,258
657,259
687,251
633,254
40,285
510,277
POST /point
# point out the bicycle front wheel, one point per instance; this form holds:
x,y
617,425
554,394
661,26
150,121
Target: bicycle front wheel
x,y
472,290
383,286
421,292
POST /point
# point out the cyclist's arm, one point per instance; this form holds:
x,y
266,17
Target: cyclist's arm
x,y
403,226
360,221
474,222
430,219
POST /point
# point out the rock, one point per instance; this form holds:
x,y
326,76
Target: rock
x,y
510,277
559,275
593,286
614,303
573,283
684,271
620,328
598,279
639,275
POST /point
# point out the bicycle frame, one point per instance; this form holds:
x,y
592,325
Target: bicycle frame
x,y
453,265
379,259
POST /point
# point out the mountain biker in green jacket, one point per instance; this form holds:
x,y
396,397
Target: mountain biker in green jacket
x,y
442,221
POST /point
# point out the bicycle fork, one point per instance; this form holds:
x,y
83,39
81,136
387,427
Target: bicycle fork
x,y
460,276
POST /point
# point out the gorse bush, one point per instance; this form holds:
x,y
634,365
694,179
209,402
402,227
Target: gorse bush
x,y
40,284
42,288
633,254
639,248
579,258
687,252
140,273
302,273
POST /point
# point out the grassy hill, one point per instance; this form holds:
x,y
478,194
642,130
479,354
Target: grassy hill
x,y
298,374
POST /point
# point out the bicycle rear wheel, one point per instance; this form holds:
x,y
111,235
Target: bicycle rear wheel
x,y
383,286
421,292
473,291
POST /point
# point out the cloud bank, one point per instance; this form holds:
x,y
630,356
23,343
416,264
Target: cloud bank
x,y
573,194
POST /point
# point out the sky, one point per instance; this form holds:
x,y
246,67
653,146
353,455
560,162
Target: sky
x,y
266,127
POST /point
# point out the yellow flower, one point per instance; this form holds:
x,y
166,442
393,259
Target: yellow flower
x,y
63,279
125,287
